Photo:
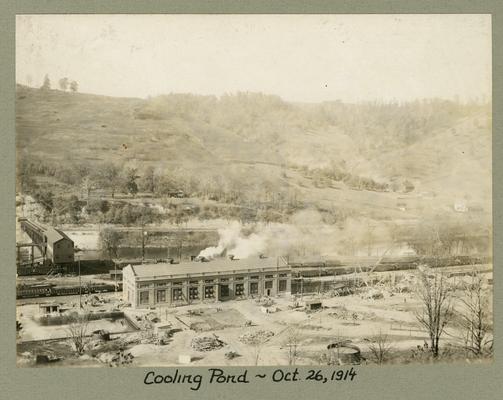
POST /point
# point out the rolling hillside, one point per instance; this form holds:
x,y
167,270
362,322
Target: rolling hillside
x,y
441,147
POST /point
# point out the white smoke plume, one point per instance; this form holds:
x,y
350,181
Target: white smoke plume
x,y
305,235
304,232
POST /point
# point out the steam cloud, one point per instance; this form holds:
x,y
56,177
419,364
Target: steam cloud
x,y
306,234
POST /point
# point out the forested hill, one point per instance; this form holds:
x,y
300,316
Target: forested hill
x,y
433,145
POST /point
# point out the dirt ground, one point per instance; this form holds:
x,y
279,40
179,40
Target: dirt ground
x,y
357,317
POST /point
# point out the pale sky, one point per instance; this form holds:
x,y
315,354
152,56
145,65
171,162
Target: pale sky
x,y
307,58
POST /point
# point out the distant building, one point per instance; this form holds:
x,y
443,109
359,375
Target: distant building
x,y
150,285
313,304
57,247
460,206
45,308
115,274
60,248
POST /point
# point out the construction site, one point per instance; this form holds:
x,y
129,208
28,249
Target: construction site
x,y
272,294
327,313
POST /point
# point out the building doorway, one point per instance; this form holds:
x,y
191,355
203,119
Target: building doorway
x,y
224,291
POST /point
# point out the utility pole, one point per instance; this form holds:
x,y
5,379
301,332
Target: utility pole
x,y
370,230
80,284
319,279
143,235
115,276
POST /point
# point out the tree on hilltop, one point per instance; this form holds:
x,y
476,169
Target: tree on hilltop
x,y
74,86
47,83
63,84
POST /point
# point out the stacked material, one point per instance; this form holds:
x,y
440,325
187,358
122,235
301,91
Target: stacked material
x,y
373,294
231,355
206,343
265,302
345,314
256,337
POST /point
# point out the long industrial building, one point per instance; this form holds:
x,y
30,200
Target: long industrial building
x,y
151,285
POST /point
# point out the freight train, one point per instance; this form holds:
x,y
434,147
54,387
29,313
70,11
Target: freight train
x,y
398,263
49,289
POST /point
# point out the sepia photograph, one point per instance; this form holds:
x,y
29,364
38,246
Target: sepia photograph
x,y
197,190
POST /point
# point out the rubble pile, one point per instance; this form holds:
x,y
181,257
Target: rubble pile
x,y
345,314
143,322
116,359
260,336
402,287
231,355
373,294
141,337
207,343
265,302
25,359
152,317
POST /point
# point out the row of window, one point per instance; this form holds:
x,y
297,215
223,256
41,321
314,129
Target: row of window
x,y
209,292
194,282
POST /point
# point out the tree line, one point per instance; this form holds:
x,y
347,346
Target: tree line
x,y
63,83
227,196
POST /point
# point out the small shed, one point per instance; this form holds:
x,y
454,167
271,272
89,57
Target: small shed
x,y
314,304
116,274
102,334
46,358
48,308
162,328
184,358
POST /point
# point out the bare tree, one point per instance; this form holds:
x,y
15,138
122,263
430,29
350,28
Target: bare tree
x,y
47,83
476,315
109,240
88,186
148,180
110,177
78,331
380,347
292,342
369,237
437,307
257,345
256,341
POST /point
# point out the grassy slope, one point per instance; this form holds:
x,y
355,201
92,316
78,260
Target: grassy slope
x,y
454,162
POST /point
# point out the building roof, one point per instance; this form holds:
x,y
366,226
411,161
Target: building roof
x,y
314,261
313,301
54,235
215,267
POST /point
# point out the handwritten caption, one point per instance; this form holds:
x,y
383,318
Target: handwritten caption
x,y
220,376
